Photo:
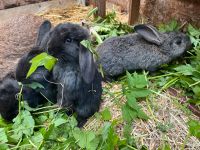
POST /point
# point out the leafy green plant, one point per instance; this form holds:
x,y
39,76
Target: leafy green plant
x,y
194,36
135,87
86,139
108,27
106,114
42,59
194,128
171,26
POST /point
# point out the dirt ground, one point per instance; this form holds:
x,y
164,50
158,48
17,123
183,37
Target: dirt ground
x,y
162,108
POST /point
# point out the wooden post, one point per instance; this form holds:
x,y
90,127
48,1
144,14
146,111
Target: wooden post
x,y
84,2
87,2
101,5
134,8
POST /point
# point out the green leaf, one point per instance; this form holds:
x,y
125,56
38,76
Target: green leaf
x,y
136,89
125,114
37,139
106,114
142,115
140,80
3,123
87,44
105,130
194,128
110,138
97,36
128,113
127,135
31,70
194,36
136,81
196,91
4,147
39,58
139,93
185,69
171,26
34,85
91,12
131,100
23,125
192,31
42,59
49,64
59,121
129,80
3,136
86,139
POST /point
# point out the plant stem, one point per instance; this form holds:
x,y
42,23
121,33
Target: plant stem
x,y
19,98
185,142
164,75
36,113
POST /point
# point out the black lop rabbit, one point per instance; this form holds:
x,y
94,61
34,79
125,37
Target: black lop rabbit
x,y
9,86
146,49
41,75
76,70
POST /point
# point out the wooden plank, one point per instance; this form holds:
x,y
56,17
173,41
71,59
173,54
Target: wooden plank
x,y
87,2
101,5
84,2
134,7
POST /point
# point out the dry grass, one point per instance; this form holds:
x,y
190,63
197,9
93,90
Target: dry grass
x,y
75,14
162,108
167,123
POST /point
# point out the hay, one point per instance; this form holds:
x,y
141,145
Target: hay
x,y
76,14
162,108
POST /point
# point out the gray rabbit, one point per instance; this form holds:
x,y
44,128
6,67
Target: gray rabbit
x,y
146,49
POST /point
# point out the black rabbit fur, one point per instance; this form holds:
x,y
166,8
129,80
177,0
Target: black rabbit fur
x,y
75,70
9,87
80,86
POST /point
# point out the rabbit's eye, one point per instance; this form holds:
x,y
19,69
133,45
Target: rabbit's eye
x,y
178,41
68,40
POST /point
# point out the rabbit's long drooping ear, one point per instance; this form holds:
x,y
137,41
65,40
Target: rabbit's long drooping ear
x,y
149,33
43,29
87,65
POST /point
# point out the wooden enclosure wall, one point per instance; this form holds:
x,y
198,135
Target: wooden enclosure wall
x,y
159,11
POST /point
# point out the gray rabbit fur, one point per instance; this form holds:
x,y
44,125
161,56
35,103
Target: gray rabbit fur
x,y
147,49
